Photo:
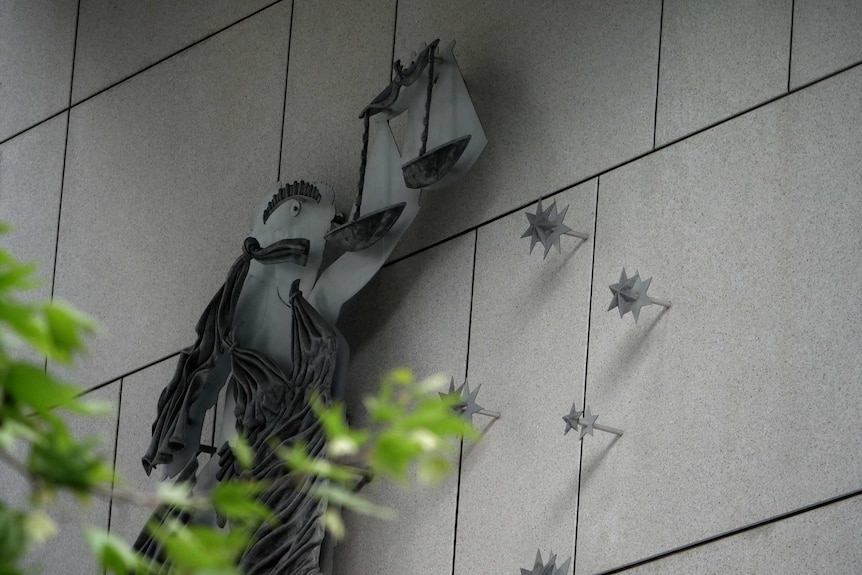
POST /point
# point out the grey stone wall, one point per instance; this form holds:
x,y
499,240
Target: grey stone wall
x,y
712,146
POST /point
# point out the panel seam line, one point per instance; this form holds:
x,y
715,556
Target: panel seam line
x,y
737,531
586,375
621,164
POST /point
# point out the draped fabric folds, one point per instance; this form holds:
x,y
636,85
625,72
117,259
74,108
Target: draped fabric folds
x,y
271,409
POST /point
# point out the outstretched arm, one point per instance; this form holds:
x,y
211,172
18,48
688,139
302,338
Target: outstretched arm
x,y
384,183
384,186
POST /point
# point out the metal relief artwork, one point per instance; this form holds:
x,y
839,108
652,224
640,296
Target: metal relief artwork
x,y
269,337
586,422
549,568
467,405
546,226
630,295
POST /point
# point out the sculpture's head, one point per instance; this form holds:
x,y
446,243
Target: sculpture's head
x,y
299,211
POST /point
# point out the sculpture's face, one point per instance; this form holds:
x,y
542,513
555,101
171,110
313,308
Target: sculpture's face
x,y
297,217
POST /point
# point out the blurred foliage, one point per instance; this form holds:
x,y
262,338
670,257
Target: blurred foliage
x,y
409,425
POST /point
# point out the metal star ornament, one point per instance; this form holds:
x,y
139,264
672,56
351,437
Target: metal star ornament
x,y
549,568
630,295
585,422
467,405
546,226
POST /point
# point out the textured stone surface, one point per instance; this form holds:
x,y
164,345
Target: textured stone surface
x,y
826,540
36,45
527,350
563,90
31,167
718,59
741,402
826,38
414,314
339,61
117,39
163,173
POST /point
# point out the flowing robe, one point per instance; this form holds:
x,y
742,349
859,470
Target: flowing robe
x,y
270,408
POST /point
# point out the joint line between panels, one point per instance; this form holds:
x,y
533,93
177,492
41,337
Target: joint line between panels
x,y
472,291
394,36
128,373
132,75
737,531
586,375
284,100
658,73
790,50
65,153
457,505
466,373
622,164
116,448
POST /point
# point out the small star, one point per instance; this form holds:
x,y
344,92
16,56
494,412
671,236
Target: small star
x,y
572,419
587,422
546,226
630,294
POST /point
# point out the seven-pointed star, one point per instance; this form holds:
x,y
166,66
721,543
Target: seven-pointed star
x,y
587,422
572,419
546,226
630,294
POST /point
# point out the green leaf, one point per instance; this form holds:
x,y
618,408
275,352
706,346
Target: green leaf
x,y
341,440
201,549
333,523
400,376
16,276
298,460
435,383
242,451
65,326
237,500
27,323
12,431
337,495
433,469
39,526
90,407
175,494
13,537
114,554
31,386
392,455
61,461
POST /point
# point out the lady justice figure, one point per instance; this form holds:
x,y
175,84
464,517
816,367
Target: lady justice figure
x,y
269,334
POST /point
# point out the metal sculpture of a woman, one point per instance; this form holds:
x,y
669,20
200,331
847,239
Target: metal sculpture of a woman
x,y
269,333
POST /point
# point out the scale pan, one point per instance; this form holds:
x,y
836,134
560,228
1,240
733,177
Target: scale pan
x,y
430,168
366,231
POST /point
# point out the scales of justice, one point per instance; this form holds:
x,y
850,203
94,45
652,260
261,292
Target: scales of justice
x,y
268,337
